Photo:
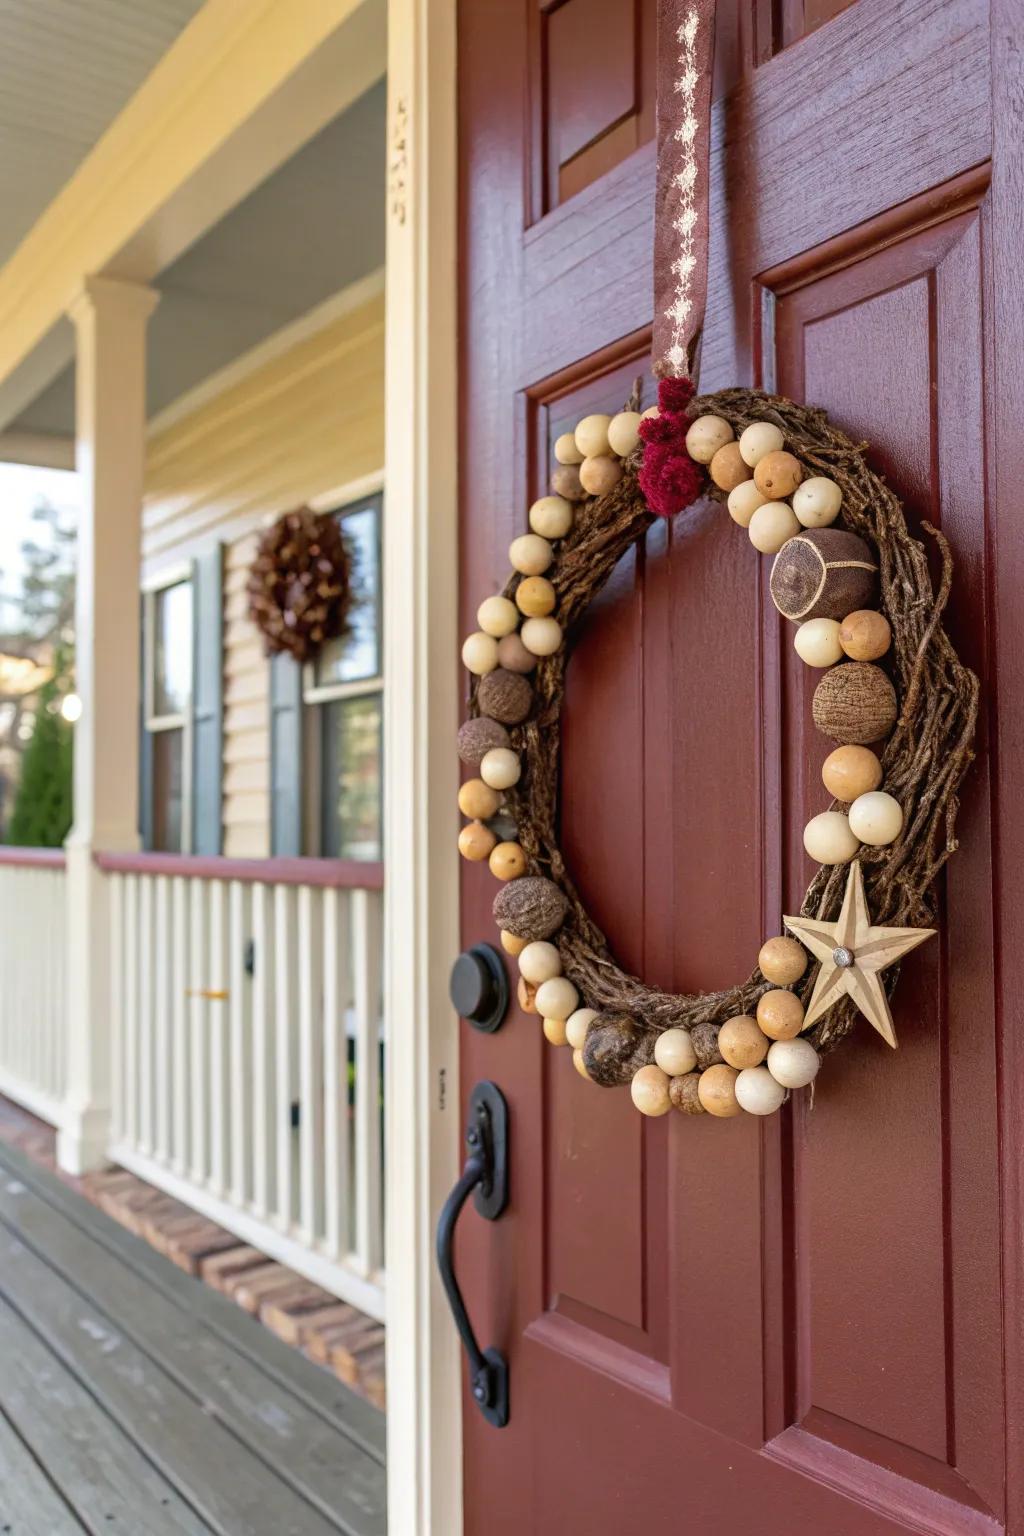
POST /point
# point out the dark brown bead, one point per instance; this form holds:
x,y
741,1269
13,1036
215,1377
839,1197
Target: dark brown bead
x,y
530,908
505,696
478,737
705,1045
683,1093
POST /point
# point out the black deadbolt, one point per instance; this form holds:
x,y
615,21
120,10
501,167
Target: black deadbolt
x,y
478,988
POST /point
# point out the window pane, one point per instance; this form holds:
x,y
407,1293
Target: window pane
x,y
356,655
168,760
173,660
352,778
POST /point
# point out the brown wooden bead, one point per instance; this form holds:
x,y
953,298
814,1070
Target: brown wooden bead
x,y
822,573
554,1032
511,943
565,481
507,861
780,1014
742,1042
778,474
865,634
783,961
513,655
476,841
478,800
685,1095
505,696
717,1091
705,1044
600,474
533,908
478,737
526,994
849,772
535,596
855,703
728,468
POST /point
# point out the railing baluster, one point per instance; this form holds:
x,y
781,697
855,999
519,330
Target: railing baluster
x,y
131,1008
117,953
161,1022
239,988
284,1038
311,1085
179,1023
263,1073
337,1235
366,940
198,1054
217,1028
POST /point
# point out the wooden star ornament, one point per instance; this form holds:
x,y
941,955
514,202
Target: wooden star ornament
x,y
853,955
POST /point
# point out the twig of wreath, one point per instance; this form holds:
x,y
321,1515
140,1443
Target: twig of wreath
x,y
806,495
300,584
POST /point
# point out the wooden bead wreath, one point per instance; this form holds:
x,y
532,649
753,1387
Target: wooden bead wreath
x,y
848,573
299,584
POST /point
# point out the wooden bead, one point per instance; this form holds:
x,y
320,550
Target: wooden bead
x,y
479,736
554,1032
778,474
476,841
505,696
500,768
674,1052
540,961
531,908
744,500
684,1093
530,555
816,501
759,439
727,467
829,838
600,474
865,635
535,596
513,655
705,1044
551,517
542,636
592,435
580,1065
652,410
742,1042
705,436
855,703
623,433
479,653
511,943
817,642
497,616
576,1026
782,960
565,482
758,1093
876,818
507,861
793,1063
649,1091
557,998
780,1014
716,1089
566,451
821,574
772,525
478,800
526,995
849,772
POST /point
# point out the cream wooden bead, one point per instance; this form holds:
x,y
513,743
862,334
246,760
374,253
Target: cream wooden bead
x,y
793,1063
743,501
511,943
652,410
476,841
716,1089
674,1052
557,998
513,655
497,616
816,502
576,1026
551,517
480,653
507,861
772,524
500,768
649,1091
759,438
816,642
876,818
829,838
542,637
478,800
705,436
592,435
600,474
580,1064
566,451
535,597
758,1092
742,1042
540,961
624,432
554,1031
530,555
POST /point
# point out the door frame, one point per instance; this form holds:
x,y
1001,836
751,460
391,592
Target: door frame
x,y
421,897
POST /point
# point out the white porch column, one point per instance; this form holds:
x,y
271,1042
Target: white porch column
x,y
110,421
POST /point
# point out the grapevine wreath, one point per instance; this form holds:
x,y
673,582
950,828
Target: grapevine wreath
x,y
868,620
300,584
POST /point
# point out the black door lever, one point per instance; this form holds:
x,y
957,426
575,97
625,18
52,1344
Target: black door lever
x,y
486,1173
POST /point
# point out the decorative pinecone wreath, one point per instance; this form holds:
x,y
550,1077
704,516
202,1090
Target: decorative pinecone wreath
x,y
854,580
299,583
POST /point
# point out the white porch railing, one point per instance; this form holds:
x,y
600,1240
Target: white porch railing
x,y
32,989
247,1052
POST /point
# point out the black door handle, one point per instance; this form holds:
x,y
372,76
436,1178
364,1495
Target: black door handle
x,y
486,1172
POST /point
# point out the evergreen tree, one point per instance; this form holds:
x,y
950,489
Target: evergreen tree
x,y
41,817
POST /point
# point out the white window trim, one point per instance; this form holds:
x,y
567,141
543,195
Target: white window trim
x,y
153,723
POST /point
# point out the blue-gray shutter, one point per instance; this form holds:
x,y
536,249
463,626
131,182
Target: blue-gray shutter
x,y
207,701
145,743
286,776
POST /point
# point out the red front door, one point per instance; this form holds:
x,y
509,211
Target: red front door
x,y
806,1324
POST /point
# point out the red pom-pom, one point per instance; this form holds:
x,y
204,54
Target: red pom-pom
x,y
674,395
662,429
669,480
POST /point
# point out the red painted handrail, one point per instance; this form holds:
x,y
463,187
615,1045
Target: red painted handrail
x,y
32,858
338,874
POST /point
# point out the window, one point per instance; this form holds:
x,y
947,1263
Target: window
x,y
167,703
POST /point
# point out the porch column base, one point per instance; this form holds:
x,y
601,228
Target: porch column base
x,y
82,1141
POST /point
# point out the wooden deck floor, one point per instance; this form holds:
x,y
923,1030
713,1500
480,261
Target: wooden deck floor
x,y
134,1399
